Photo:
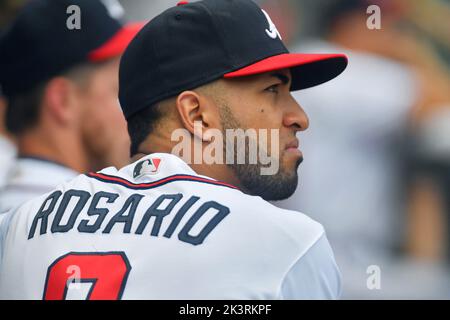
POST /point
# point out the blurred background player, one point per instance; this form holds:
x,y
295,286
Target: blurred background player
x,y
7,146
360,177
8,9
60,79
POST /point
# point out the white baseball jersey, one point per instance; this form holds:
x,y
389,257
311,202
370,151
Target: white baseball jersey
x,y
157,230
31,177
7,159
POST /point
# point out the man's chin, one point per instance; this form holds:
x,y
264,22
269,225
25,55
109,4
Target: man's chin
x,y
284,184
273,188
282,191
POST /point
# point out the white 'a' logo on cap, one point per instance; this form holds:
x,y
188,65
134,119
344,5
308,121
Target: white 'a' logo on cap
x,y
272,31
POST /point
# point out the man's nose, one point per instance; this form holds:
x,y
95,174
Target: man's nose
x,y
296,117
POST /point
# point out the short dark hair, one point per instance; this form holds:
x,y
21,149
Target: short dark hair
x,y
141,124
144,122
22,111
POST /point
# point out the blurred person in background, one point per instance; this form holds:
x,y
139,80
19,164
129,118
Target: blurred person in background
x,y
352,176
60,80
428,150
8,148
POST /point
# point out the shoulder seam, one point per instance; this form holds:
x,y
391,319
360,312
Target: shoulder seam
x,y
150,185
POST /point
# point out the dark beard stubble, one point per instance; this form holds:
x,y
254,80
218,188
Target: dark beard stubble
x,y
269,187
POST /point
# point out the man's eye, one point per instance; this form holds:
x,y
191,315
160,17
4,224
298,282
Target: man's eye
x,y
273,88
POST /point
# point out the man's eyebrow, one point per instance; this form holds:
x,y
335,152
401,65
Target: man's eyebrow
x,y
283,78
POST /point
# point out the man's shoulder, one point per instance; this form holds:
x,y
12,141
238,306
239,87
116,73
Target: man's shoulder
x,y
30,179
292,227
30,198
296,224
260,233
272,212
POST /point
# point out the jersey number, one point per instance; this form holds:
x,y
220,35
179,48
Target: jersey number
x,y
107,272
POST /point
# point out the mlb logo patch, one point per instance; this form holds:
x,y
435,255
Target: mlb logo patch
x,y
146,167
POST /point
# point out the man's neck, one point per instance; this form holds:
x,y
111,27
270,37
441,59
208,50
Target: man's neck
x,y
161,142
58,148
220,172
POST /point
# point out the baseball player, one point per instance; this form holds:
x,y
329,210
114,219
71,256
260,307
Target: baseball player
x,y
7,146
59,64
163,228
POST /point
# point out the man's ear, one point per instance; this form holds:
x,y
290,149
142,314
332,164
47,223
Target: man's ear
x,y
59,100
194,110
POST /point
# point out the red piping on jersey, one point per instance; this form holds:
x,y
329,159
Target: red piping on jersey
x,y
178,177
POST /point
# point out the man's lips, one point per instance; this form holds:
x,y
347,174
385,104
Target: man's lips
x,y
292,148
293,145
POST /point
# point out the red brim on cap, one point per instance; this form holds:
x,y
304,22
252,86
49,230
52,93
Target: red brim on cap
x,y
307,70
115,46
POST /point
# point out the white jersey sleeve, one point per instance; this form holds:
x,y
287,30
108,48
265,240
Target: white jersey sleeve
x,y
7,159
314,276
5,219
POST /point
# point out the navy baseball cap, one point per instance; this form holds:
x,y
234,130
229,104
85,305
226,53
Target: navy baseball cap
x,y
193,44
41,44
